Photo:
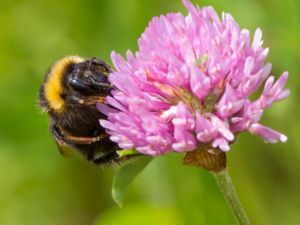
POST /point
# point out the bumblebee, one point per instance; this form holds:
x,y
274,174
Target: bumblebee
x,y
71,89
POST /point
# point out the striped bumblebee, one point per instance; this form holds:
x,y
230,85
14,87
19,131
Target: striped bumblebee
x,y
71,89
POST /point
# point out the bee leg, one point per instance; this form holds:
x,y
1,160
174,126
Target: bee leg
x,y
57,135
83,140
93,100
62,138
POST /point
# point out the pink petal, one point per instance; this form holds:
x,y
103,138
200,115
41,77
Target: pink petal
x,y
200,83
222,127
221,143
229,103
204,129
267,133
257,42
119,63
184,140
183,117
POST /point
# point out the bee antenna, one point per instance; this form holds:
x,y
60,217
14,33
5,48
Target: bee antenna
x,y
91,61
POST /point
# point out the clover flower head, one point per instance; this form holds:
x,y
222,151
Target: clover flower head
x,y
189,84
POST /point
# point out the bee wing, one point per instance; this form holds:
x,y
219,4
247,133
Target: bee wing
x,y
65,149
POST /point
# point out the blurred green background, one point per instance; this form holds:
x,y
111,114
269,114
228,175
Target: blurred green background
x,y
38,186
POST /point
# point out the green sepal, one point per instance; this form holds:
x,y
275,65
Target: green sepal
x,y
126,152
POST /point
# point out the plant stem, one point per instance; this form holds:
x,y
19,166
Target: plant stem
x,y
226,185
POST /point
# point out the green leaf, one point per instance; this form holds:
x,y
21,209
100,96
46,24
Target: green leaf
x,y
125,175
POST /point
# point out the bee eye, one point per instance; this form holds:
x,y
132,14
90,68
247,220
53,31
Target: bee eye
x,y
77,84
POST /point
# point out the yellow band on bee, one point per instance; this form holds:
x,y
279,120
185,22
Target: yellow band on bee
x,y
53,86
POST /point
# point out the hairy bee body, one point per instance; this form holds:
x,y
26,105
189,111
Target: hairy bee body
x,y
72,88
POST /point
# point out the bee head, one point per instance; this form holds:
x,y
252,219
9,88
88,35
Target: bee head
x,y
73,79
89,78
